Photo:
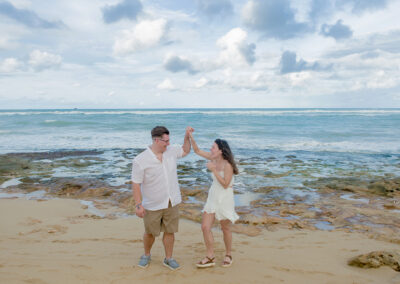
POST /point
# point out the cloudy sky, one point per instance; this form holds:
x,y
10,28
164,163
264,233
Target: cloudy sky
x,y
204,53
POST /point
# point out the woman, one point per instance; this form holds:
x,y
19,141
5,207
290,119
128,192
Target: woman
x,y
220,204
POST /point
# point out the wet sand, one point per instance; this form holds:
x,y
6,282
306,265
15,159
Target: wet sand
x,y
60,241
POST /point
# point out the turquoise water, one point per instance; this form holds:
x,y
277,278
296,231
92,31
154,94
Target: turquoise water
x,y
274,147
368,131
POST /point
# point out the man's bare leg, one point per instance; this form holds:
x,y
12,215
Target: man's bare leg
x,y
168,241
148,241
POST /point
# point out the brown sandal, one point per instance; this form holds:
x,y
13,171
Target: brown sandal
x,y
227,263
210,262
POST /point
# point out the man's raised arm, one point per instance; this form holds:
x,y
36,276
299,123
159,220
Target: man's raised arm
x,y
186,143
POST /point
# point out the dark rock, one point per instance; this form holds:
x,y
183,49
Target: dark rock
x,y
290,156
376,259
382,186
74,186
10,165
267,189
270,174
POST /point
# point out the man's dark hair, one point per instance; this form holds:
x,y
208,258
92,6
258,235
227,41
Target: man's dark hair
x,y
159,131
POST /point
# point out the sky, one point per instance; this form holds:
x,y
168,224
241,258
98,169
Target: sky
x,y
199,54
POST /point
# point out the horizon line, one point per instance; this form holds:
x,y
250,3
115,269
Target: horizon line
x,y
204,108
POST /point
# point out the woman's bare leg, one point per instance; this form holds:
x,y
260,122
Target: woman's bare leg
x,y
206,225
226,230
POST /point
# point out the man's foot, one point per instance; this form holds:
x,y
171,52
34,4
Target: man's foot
x,y
144,261
206,262
227,261
171,263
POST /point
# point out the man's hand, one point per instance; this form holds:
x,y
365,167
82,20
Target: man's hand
x,y
189,130
186,142
140,211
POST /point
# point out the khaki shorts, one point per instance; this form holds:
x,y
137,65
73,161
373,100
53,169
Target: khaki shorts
x,y
163,220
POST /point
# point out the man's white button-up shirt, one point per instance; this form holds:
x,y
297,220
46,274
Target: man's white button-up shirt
x,y
159,180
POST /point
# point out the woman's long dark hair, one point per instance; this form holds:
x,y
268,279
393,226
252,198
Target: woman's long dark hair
x,y
227,154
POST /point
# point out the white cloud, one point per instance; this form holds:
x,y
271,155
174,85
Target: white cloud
x,y
247,81
210,60
235,50
6,43
10,65
201,82
381,80
41,60
299,78
146,34
166,85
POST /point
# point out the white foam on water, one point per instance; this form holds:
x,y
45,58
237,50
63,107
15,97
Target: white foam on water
x,y
10,182
317,146
34,195
210,111
11,195
350,198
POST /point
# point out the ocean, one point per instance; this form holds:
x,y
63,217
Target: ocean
x,y
285,148
370,131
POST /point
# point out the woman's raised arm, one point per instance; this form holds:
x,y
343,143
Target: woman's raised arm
x,y
197,150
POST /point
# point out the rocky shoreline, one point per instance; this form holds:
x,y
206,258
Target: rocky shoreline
x,y
368,205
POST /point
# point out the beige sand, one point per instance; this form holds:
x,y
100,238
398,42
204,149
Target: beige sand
x,y
57,241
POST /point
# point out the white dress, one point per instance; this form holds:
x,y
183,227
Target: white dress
x,y
220,200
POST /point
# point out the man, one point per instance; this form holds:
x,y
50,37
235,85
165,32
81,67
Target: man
x,y
156,192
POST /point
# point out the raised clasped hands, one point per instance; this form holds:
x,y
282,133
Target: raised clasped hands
x,y
189,131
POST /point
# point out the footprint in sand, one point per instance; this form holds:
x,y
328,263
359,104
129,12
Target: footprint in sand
x,y
285,269
35,281
135,241
30,232
53,229
30,222
81,266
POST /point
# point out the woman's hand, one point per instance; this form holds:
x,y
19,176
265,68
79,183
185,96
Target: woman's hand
x,y
211,166
189,130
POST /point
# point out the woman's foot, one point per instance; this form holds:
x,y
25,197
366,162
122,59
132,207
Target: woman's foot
x,y
206,262
227,261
